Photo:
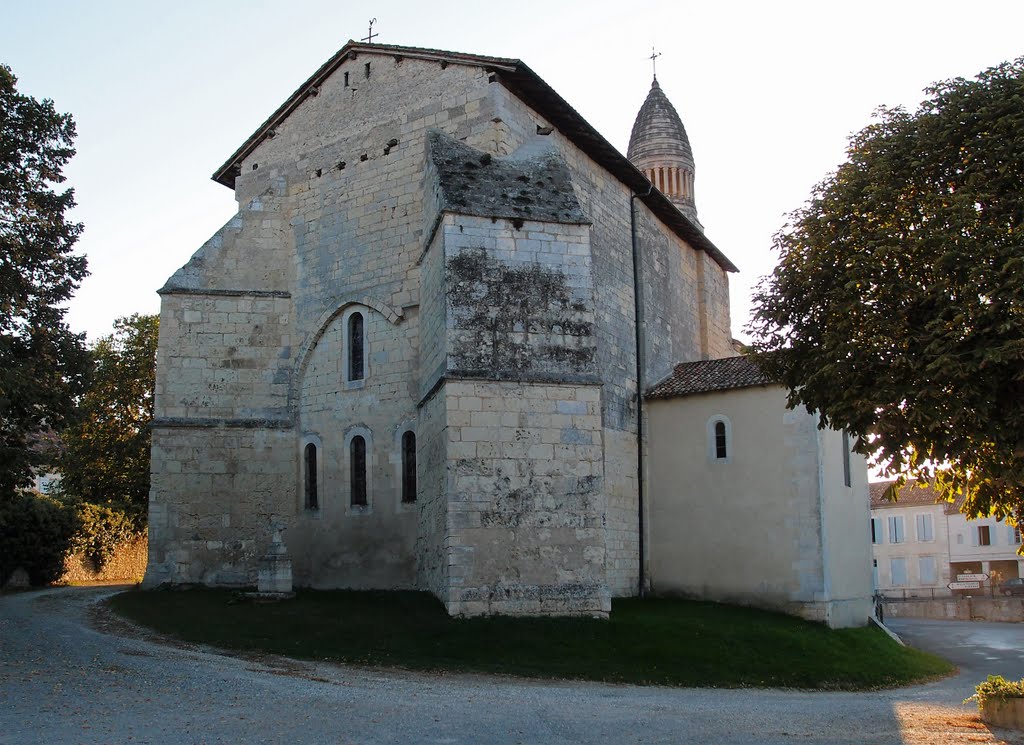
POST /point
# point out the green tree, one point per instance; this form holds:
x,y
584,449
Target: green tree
x,y
897,306
41,361
106,451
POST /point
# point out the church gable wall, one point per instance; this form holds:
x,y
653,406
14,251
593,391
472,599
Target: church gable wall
x,y
233,329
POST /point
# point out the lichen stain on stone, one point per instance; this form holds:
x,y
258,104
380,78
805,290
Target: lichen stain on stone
x,y
513,319
543,503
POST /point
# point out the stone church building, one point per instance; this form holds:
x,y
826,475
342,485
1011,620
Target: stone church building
x,y
419,345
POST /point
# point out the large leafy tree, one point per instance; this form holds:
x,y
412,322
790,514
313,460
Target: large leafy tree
x,y
897,306
106,451
41,361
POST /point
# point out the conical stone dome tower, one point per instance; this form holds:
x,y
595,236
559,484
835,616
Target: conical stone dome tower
x,y
660,148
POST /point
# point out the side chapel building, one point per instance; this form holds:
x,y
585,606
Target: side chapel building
x,y
418,347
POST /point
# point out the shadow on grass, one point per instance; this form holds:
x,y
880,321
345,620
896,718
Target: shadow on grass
x,y
650,641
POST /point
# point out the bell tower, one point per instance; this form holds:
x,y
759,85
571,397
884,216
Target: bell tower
x,y
659,147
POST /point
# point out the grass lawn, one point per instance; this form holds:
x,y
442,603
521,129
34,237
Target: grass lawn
x,y
663,642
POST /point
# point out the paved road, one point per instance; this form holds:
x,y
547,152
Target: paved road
x,y
977,647
64,681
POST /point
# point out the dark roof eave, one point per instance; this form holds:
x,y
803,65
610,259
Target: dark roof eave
x,y
651,395
531,88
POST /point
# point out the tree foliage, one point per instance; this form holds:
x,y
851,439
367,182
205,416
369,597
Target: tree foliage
x,y
106,450
41,361
36,532
897,307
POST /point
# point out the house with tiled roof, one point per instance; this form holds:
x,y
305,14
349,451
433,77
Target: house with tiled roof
x,y
417,355
920,543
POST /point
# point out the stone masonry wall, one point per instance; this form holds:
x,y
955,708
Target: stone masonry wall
x,y
526,499
433,537
338,544
215,491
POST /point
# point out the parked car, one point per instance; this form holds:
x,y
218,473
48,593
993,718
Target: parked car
x,y
1012,586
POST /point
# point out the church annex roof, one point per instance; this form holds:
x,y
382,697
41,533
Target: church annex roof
x,y
706,376
658,130
528,87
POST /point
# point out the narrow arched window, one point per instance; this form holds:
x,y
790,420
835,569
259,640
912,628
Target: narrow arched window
x,y
721,441
357,463
312,495
409,467
356,347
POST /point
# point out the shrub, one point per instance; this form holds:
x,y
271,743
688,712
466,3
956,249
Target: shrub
x,y
102,529
996,687
35,533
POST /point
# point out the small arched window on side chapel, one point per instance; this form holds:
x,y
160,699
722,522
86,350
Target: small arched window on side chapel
x,y
721,443
719,434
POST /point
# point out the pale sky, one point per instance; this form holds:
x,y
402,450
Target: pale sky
x,y
768,92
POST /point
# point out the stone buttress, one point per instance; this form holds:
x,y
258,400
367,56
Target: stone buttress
x,y
511,395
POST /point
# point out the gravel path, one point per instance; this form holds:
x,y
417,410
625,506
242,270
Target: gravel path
x,y
68,674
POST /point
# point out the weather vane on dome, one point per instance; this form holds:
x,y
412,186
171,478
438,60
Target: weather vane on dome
x,y
369,34
654,61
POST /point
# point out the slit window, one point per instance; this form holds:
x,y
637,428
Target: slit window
x,y
721,441
409,467
356,347
357,462
846,458
312,495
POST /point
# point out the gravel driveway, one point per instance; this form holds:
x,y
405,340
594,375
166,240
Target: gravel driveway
x,y
66,676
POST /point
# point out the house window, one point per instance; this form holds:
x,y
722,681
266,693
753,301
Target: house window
x,y
1013,535
898,571
874,574
926,570
959,539
720,444
896,529
877,536
721,447
357,471
356,347
984,535
409,467
312,492
925,531
846,458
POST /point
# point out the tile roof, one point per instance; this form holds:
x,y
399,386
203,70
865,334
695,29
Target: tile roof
x,y
709,375
911,495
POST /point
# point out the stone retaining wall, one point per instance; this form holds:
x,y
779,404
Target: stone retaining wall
x,y
128,564
958,609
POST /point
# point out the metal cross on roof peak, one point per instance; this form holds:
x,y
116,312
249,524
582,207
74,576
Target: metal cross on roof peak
x,y
369,34
654,62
